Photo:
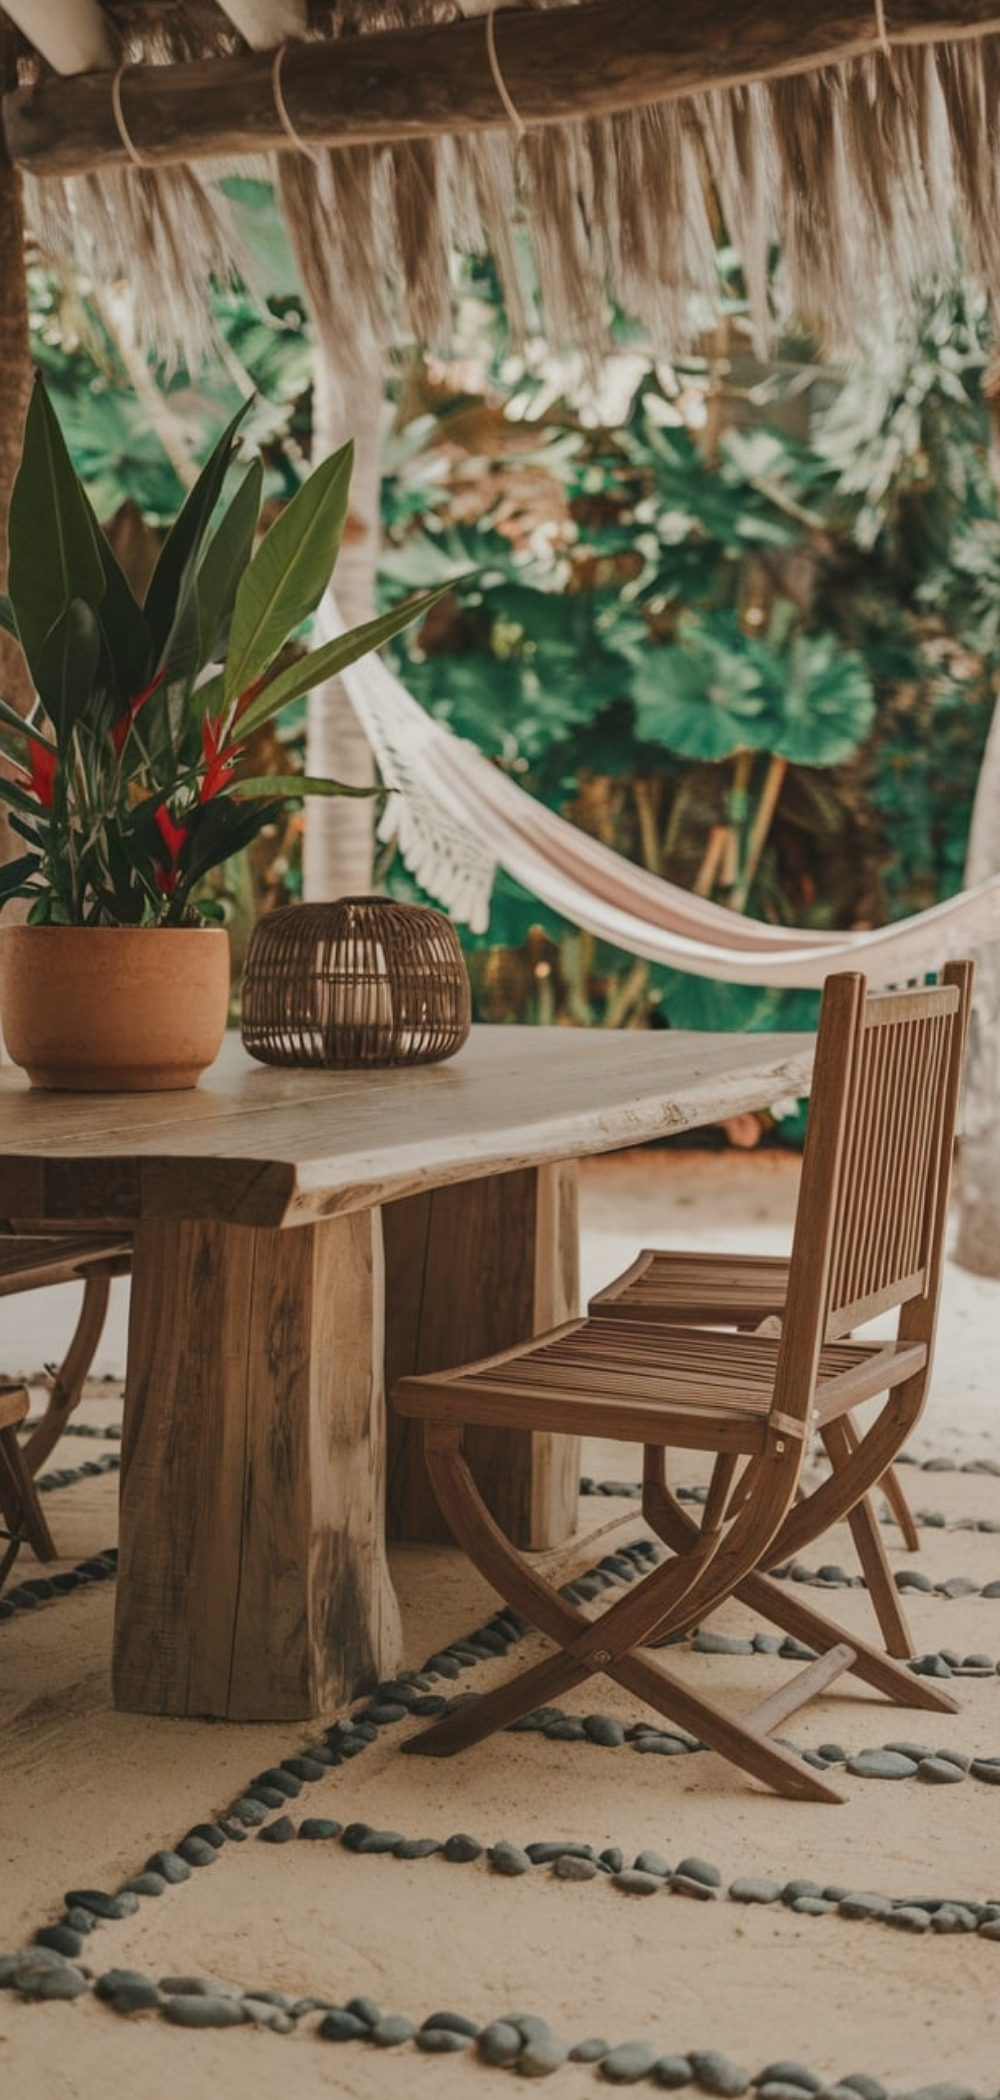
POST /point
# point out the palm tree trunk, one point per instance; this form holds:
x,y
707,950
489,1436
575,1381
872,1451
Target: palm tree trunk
x,y
15,386
339,835
978,1244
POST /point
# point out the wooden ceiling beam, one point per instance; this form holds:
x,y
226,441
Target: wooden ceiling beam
x,y
390,86
73,36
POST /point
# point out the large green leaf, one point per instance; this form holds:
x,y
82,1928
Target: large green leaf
x,y
224,558
324,663
289,572
186,534
66,665
14,874
13,720
55,544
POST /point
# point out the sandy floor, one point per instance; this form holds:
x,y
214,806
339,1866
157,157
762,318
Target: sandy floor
x,y
86,1795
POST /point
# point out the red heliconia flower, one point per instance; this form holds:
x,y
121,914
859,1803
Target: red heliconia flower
x,y
218,763
40,780
120,729
174,837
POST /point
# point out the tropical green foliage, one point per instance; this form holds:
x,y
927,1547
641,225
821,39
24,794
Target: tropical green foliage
x,y
128,788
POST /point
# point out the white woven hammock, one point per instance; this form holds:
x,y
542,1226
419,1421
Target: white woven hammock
x,y
456,819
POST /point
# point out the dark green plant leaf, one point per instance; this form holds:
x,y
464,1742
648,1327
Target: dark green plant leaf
x,y
55,546
186,534
325,662
65,668
289,572
224,558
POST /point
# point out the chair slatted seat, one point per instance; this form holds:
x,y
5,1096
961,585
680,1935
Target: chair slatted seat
x,y
869,1236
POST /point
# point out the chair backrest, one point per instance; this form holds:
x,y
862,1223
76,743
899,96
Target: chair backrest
x,y
873,1199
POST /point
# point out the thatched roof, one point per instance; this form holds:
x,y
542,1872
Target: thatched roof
x,y
864,140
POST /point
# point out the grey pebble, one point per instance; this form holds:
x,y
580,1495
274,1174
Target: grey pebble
x,y
628,2062
281,1781
721,1644
461,1848
147,1884
590,2050
250,1809
102,1905
934,1665
673,2072
782,2089
813,1906
259,2012
700,1870
61,1938
391,2030
881,1764
957,1586
718,2074
649,1862
199,1987
198,2011
277,1833
64,1982
79,1920
540,2057
442,2041
415,1848
987,1768
197,1852
954,1917
364,2009
128,1990
374,1841
785,2072
939,1771
792,1890
566,1730
861,1904
752,1888
603,1729
908,1917
543,1852
955,1757
530,2026
319,1827
613,1858
831,1753
866,2087
912,1579
569,1868
633,1883
453,2023
661,1745
506,1858
763,1644
989,1929
340,2026
500,2043
385,1711
211,1833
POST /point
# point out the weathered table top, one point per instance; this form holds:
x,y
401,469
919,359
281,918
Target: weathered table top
x,y
260,1145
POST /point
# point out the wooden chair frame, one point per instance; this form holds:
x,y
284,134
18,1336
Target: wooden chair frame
x,y
869,1237
20,1510
30,1259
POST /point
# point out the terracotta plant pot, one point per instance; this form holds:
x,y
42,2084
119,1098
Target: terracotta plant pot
x,y
114,1009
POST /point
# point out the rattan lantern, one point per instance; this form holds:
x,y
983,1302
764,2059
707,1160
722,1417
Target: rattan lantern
x,y
360,982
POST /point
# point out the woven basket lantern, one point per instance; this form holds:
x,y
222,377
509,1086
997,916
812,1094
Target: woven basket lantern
x,y
360,982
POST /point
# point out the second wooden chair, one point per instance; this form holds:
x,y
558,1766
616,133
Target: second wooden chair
x,y
869,1237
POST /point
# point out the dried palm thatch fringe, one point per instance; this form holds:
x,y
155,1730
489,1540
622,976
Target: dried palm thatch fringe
x,y
873,172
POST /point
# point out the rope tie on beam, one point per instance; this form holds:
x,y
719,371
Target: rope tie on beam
x,y
881,29
139,160
498,80
278,92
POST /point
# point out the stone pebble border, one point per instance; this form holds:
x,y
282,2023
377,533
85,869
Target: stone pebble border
x,y
48,1970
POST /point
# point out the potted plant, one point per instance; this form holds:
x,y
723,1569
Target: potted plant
x,y
125,781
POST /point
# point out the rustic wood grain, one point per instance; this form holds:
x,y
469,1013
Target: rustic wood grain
x,y
391,86
252,1580
263,1146
471,1269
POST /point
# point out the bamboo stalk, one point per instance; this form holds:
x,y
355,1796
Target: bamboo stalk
x,y
757,838
390,86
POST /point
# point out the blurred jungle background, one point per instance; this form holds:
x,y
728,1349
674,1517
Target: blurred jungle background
x,y
737,618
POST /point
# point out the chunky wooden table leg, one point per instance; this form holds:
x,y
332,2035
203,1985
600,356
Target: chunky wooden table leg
x,y
252,1577
472,1268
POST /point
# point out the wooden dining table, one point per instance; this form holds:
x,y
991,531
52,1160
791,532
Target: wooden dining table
x,y
302,1238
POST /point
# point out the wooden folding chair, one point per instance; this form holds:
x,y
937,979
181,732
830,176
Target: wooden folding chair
x,y
20,1510
29,1260
868,1237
